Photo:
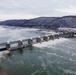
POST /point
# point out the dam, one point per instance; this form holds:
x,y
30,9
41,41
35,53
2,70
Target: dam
x,y
19,44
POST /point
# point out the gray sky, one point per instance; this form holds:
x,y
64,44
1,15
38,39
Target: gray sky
x,y
25,9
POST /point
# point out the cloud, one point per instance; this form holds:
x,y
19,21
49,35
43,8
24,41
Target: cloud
x,y
69,10
12,9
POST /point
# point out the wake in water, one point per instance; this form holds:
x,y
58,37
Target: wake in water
x,y
2,53
50,43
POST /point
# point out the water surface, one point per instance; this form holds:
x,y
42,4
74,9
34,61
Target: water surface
x,y
55,57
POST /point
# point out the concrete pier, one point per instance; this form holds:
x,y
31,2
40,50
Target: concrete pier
x,y
38,40
71,35
45,38
8,47
20,44
51,37
56,36
30,41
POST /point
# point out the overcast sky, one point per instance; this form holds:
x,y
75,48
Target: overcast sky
x,y
25,9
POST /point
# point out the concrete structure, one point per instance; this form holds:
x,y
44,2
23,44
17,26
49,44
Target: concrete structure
x,y
45,38
8,47
30,41
19,44
38,40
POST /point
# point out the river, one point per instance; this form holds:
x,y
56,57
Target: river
x,y
55,57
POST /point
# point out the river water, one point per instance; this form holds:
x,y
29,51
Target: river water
x,y
55,57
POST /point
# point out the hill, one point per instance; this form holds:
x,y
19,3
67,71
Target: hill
x,y
43,22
